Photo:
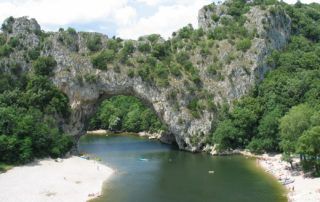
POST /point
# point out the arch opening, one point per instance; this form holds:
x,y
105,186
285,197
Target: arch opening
x,y
127,113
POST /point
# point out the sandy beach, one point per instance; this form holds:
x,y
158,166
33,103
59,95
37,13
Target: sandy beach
x,y
67,180
301,189
97,132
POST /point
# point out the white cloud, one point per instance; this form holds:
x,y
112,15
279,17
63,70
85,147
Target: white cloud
x,y
166,20
302,1
149,2
125,15
169,16
62,12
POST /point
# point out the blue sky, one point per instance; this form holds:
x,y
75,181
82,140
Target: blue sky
x,y
124,18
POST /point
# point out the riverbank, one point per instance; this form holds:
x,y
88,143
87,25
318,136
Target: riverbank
x,y
71,179
300,188
103,132
161,136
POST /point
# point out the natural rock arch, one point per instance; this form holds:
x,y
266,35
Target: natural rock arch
x,y
74,68
85,99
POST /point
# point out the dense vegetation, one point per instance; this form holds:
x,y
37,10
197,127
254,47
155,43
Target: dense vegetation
x,y
282,112
30,107
125,113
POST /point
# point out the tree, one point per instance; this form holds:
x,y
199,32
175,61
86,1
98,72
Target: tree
x,y
309,144
268,133
227,136
292,126
132,121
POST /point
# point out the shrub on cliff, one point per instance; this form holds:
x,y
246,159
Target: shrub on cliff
x,y
244,44
44,66
94,43
101,60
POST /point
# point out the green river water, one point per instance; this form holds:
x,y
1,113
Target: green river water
x,y
148,171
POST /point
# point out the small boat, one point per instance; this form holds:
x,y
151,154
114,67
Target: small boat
x,y
287,181
211,171
143,159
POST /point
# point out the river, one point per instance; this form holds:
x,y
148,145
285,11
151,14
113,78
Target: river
x,y
148,171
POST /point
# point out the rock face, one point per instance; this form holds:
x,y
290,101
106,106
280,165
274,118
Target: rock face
x,y
85,95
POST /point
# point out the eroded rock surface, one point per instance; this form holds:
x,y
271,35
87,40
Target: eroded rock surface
x,y
240,73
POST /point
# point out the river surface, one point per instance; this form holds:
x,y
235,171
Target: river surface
x,y
148,171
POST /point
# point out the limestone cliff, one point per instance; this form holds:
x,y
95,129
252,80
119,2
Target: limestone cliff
x,y
225,71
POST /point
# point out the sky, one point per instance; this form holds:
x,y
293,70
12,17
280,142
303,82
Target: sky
x,y
127,19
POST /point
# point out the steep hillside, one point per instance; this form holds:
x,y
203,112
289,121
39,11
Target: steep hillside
x,y
186,80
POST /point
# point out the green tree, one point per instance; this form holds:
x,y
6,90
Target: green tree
x,y
292,126
309,144
227,136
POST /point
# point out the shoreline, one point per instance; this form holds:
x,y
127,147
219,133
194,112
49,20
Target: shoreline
x,y
79,179
70,179
299,188
102,132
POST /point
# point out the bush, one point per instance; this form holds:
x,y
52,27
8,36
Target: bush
x,y
244,44
5,51
161,51
3,39
71,31
182,57
14,42
94,43
113,44
194,108
215,18
7,25
69,38
212,69
186,32
131,73
44,66
91,78
153,38
34,54
175,70
144,47
101,60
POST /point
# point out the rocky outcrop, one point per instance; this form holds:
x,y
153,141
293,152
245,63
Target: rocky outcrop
x,y
85,95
